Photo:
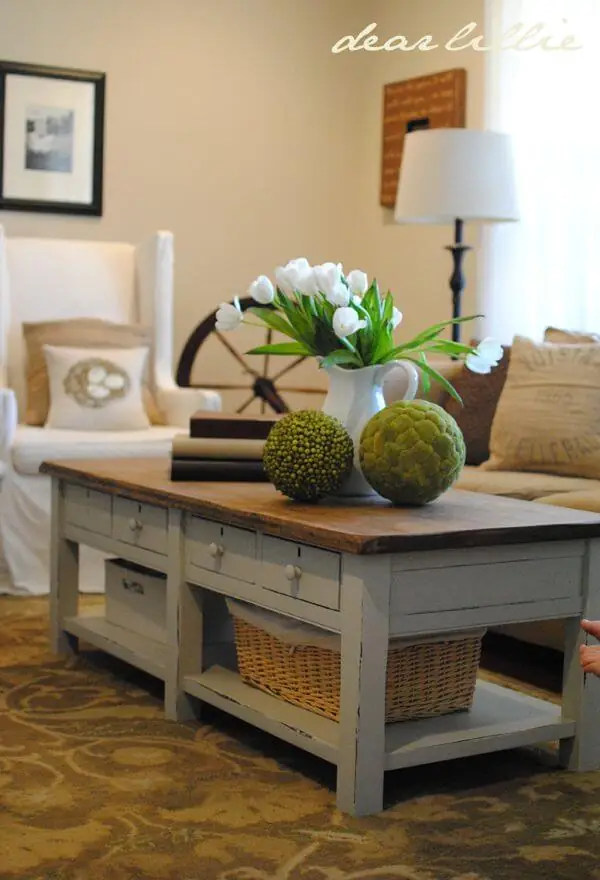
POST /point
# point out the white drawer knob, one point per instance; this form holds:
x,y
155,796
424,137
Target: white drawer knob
x,y
292,572
215,550
135,525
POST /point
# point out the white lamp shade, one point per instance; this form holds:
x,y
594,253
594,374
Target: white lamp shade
x,y
456,173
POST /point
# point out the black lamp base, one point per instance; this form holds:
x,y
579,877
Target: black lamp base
x,y
457,279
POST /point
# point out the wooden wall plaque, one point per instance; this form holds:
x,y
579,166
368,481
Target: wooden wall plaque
x,y
437,100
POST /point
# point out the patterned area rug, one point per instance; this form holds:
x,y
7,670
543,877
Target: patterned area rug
x,y
96,785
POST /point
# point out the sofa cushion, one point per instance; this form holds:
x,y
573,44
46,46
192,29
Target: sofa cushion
x,y
525,486
548,415
573,337
545,633
480,395
31,446
584,499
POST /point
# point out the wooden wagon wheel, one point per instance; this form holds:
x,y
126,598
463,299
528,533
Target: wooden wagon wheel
x,y
261,386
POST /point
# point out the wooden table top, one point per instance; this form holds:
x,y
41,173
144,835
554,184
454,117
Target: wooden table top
x,y
457,519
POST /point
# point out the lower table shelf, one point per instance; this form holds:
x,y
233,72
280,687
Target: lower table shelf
x,y
141,652
225,689
499,719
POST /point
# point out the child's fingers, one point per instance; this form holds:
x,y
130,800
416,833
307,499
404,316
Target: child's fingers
x,y
592,627
589,655
589,659
587,662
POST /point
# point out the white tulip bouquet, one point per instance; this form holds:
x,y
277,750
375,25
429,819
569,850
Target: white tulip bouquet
x,y
344,320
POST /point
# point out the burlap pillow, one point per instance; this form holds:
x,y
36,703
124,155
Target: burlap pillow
x,y
480,395
97,389
76,333
573,337
548,415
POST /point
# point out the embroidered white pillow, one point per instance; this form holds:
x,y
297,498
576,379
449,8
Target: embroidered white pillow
x,y
96,389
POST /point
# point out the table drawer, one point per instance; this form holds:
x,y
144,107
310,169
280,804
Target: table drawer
x,y
136,599
88,509
307,573
221,548
140,525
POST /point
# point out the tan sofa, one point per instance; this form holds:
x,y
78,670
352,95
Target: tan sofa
x,y
578,493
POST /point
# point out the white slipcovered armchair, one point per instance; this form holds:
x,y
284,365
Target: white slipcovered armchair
x,y
49,280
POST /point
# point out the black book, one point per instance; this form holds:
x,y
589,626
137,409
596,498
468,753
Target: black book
x,y
217,471
231,425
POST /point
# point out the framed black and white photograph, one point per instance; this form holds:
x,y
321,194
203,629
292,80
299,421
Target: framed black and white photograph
x,y
51,139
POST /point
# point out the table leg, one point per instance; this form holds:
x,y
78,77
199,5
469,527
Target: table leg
x,y
184,626
64,577
365,636
581,693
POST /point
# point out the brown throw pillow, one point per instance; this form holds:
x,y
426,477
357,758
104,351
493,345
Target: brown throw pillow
x,y
480,396
76,333
548,415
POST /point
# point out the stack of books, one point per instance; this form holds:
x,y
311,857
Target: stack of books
x,y
221,447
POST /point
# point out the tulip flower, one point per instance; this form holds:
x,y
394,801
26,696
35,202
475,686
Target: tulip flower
x,y
396,317
346,322
229,315
487,355
262,290
339,296
289,276
358,282
306,282
328,277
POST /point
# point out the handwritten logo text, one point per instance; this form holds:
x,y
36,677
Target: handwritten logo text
x,y
520,37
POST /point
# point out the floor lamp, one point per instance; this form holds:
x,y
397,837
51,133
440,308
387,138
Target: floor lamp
x,y
456,176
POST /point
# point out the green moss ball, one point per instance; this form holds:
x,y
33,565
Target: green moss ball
x,y
411,452
308,455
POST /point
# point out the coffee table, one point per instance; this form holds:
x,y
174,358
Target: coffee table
x,y
367,571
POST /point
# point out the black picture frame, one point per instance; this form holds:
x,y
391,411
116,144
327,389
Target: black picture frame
x,y
36,163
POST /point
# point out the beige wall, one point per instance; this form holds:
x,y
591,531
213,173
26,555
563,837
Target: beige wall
x,y
410,260
228,121
231,123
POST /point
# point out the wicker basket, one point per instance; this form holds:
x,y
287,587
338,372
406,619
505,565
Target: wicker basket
x,y
423,680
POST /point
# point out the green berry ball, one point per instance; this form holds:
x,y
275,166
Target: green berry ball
x,y
411,452
308,455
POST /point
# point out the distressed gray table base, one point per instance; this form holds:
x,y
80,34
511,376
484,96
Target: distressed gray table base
x,y
368,599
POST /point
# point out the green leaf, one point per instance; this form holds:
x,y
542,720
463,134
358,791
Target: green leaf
x,y
437,377
393,354
274,321
446,346
425,377
306,305
388,307
376,293
436,329
360,308
371,303
340,357
352,348
282,348
385,343
303,327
